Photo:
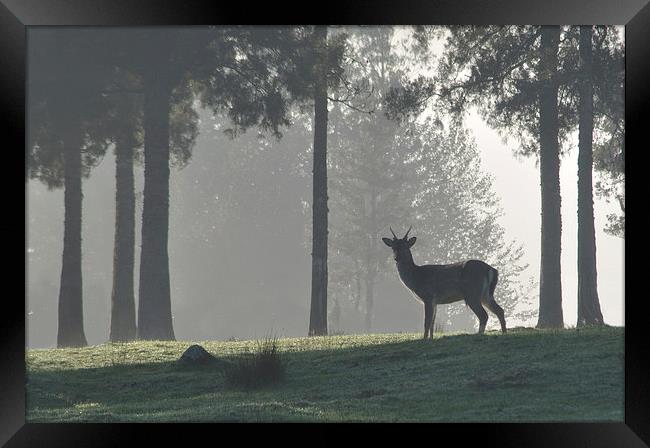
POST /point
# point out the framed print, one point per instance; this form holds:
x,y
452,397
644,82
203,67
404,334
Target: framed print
x,y
247,215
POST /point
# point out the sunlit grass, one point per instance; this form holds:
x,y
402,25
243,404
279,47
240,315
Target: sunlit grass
x,y
525,375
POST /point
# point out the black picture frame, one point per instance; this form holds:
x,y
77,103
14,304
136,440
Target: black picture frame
x,y
17,15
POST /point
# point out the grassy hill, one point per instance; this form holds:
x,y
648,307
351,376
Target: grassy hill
x,y
526,375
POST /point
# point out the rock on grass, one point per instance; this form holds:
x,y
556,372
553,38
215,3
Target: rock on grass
x,y
196,355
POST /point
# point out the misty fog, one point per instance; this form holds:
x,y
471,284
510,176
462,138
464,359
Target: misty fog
x,y
240,227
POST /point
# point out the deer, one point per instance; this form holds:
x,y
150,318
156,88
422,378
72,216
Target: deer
x,y
473,281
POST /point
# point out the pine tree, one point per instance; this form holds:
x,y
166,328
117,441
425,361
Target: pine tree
x,y
65,141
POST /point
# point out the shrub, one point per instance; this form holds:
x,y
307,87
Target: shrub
x,y
264,366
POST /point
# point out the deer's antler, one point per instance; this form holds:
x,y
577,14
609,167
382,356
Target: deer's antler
x,y
407,232
391,231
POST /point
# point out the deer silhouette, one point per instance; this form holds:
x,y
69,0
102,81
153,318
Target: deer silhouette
x,y
437,284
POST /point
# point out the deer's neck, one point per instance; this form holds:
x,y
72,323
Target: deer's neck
x,y
406,269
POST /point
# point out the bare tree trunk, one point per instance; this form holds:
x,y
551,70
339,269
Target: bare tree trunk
x,y
123,297
336,314
357,284
370,299
154,311
371,262
588,304
318,313
550,291
71,330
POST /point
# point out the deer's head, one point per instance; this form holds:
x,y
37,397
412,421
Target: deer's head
x,y
401,246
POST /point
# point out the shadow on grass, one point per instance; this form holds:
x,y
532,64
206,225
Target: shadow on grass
x,y
452,378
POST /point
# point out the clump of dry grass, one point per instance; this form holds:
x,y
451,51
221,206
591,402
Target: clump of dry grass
x,y
265,366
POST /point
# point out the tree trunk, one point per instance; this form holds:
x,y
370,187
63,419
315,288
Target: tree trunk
x,y
122,299
370,298
154,311
357,283
318,313
550,291
71,331
336,315
588,304
371,262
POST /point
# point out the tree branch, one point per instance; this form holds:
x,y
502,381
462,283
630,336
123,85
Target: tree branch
x,y
349,105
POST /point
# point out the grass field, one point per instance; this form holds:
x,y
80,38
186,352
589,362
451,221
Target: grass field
x,y
524,376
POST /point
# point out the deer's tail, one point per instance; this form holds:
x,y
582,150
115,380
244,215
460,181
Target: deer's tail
x,y
493,278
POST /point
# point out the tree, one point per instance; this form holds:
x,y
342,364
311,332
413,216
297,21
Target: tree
x,y
127,139
125,122
314,69
65,142
318,313
596,90
163,59
367,185
239,70
609,120
550,289
432,181
160,76
308,79
588,304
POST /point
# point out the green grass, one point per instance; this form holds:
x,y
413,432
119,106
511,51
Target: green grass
x,y
525,376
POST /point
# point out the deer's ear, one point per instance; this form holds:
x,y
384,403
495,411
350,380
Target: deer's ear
x,y
388,242
412,241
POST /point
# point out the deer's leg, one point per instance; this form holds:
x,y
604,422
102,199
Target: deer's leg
x,y
496,309
490,303
428,316
475,305
433,319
